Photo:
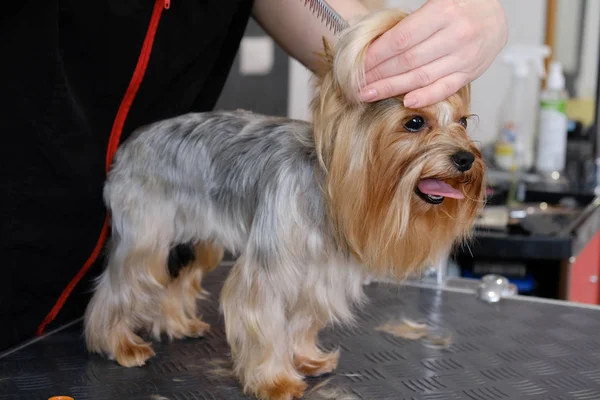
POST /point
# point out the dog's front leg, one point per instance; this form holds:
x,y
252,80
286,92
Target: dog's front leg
x,y
304,327
256,328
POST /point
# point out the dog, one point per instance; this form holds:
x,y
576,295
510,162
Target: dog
x,y
309,209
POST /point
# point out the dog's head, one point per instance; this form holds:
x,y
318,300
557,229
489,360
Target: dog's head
x,y
402,185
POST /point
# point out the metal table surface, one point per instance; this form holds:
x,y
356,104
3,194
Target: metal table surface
x,y
514,349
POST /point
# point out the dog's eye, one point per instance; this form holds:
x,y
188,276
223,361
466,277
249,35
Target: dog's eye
x,y
463,122
414,124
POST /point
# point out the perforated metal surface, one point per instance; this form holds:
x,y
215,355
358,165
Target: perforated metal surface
x,y
512,350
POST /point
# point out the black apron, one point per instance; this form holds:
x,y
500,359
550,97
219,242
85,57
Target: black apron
x,y
65,68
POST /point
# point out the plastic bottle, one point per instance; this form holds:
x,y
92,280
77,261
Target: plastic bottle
x,y
553,128
512,144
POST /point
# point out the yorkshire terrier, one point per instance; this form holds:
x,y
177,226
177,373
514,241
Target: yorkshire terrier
x,y
311,209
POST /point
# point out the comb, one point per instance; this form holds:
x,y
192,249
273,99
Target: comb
x,y
327,15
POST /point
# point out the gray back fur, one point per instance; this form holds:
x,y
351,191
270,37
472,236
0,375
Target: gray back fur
x,y
251,182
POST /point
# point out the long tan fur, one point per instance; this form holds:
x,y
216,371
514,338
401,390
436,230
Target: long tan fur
x,y
372,163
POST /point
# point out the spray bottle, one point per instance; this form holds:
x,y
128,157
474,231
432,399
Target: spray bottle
x,y
510,153
552,140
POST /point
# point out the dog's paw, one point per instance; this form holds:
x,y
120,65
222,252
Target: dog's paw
x,y
179,328
316,366
283,388
189,327
130,354
197,328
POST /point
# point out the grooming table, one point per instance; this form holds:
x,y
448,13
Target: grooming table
x,y
515,349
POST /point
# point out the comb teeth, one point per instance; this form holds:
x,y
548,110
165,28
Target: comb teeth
x,y
327,15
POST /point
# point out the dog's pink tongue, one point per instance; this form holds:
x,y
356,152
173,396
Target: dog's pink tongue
x,y
439,188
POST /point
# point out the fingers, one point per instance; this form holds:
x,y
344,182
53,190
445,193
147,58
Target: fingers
x,y
423,53
437,91
434,51
418,78
412,30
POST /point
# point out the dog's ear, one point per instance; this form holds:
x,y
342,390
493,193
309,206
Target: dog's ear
x,y
325,59
465,93
351,50
327,51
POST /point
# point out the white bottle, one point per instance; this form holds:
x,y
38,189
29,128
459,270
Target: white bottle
x,y
514,147
511,120
553,127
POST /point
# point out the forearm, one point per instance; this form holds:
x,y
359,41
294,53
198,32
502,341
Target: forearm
x,y
297,30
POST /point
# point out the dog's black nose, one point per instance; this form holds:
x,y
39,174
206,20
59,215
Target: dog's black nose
x,y
463,160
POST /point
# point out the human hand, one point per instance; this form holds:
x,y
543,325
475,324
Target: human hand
x,y
435,51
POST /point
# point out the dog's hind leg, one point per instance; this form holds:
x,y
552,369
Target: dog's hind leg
x,y
256,329
178,305
126,300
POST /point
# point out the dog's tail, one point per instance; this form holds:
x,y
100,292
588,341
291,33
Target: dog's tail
x,y
348,60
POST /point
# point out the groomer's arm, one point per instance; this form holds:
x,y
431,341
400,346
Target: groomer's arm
x,y
294,27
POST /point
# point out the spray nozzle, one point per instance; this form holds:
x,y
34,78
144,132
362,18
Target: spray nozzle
x,y
521,57
556,77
